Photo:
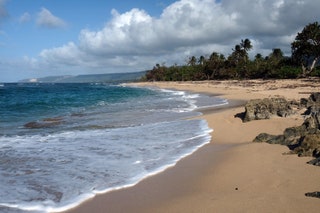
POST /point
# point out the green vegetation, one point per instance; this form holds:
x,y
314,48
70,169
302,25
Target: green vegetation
x,y
306,48
303,62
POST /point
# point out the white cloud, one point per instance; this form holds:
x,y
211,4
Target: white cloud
x,y
124,34
134,40
26,17
68,54
47,19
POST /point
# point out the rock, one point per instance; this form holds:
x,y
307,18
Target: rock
x,y
315,97
313,194
304,102
272,139
258,109
291,137
316,153
309,145
303,140
45,123
312,120
315,162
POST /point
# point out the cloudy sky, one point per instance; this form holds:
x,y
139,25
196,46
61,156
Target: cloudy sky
x,y
69,37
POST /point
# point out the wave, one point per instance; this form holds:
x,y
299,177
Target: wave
x,y
63,161
110,144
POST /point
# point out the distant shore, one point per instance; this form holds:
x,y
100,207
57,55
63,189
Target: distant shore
x,y
231,174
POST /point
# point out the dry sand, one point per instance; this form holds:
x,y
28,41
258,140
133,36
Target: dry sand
x,y
231,174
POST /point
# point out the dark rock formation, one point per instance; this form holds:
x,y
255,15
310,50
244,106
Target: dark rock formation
x,y
315,162
259,109
309,145
303,140
272,139
45,123
313,194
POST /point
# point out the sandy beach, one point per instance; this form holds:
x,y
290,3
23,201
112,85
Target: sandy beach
x,y
232,173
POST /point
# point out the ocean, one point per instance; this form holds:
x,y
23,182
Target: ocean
x,y
61,144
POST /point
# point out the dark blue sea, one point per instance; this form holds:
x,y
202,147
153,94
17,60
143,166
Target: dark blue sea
x,y
61,144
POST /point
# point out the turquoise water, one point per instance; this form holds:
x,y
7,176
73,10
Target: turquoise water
x,y
61,144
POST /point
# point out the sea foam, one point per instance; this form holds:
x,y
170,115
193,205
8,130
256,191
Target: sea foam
x,y
120,137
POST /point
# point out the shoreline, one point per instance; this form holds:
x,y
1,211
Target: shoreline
x,y
230,174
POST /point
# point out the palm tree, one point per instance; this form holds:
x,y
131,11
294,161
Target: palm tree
x,y
277,53
246,44
239,58
258,57
192,61
275,57
202,60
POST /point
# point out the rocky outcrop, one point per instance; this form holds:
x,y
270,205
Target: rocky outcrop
x,y
259,109
309,146
315,162
313,194
45,123
303,140
313,100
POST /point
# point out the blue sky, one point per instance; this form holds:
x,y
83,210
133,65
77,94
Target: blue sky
x,y
22,34
69,37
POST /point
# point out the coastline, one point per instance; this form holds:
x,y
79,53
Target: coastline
x,y
231,174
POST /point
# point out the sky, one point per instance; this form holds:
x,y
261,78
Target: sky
x,y
41,38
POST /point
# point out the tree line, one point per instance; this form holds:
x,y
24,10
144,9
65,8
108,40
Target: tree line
x,y
303,62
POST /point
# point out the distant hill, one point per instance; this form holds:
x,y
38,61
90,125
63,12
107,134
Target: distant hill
x,y
93,78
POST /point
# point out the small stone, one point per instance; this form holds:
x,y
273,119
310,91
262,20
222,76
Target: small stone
x,y
313,194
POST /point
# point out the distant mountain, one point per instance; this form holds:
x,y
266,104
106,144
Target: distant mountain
x,y
93,78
